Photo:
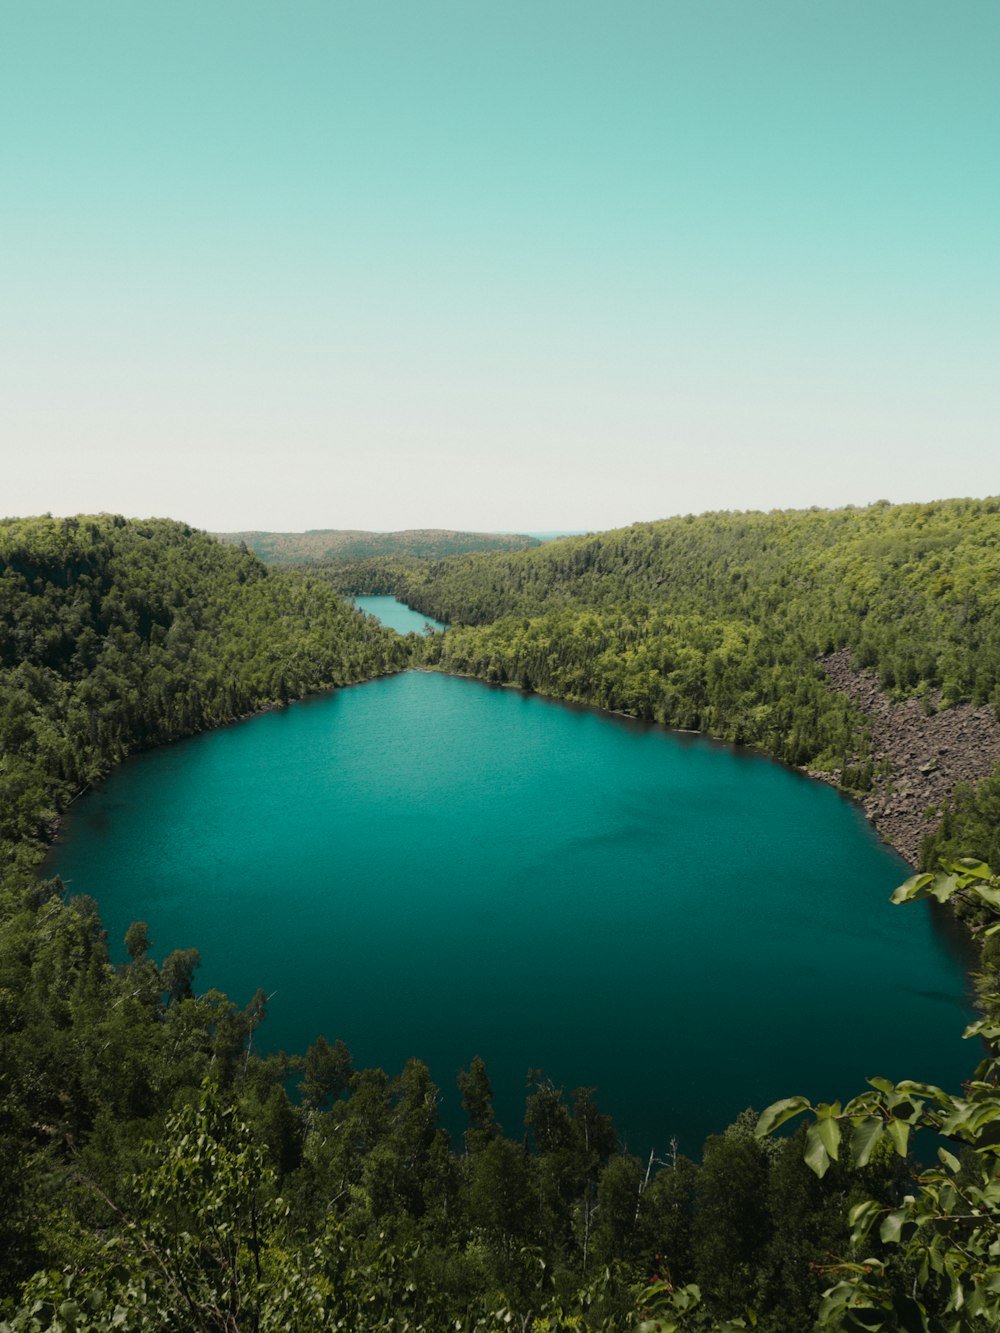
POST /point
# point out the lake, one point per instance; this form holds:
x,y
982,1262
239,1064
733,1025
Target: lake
x,y
397,615
426,865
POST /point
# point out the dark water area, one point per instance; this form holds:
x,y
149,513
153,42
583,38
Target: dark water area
x,y
397,615
426,865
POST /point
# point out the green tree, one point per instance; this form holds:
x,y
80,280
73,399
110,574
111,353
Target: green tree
x,y
327,1073
177,973
477,1103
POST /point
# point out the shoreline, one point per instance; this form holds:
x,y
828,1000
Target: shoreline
x,y
918,753
923,755
55,824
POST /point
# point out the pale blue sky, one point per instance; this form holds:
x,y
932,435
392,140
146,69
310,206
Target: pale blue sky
x,y
397,263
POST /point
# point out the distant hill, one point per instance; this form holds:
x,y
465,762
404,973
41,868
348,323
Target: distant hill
x,y
556,535
321,545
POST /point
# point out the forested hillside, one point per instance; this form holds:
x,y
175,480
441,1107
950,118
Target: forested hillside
x,y
913,590
861,575
322,545
721,622
154,1172
116,635
157,1173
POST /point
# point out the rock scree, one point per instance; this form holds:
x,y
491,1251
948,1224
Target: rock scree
x,y
925,753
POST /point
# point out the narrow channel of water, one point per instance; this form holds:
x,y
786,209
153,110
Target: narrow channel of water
x,y
430,866
397,615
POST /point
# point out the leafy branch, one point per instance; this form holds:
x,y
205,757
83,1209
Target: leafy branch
x,y
948,1230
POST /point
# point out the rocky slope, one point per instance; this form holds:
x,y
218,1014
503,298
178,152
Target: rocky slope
x,y
920,754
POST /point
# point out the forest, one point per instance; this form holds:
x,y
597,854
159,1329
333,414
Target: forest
x,y
158,1172
333,544
720,622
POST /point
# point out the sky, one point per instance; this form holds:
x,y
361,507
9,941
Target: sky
x,y
496,264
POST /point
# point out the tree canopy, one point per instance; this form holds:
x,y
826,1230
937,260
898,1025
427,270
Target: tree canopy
x,y
157,1172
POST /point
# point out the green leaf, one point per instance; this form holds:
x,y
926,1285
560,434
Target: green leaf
x,y
957,1294
829,1132
835,1300
892,1225
986,1028
909,1085
778,1112
862,1218
864,1139
862,1209
975,1303
816,1155
899,1132
949,1159
944,887
912,888
881,1084
970,866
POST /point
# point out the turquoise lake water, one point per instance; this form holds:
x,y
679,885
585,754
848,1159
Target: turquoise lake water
x,y
426,865
397,615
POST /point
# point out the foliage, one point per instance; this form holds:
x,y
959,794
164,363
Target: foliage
x,y
155,1173
116,635
323,545
689,671
945,1230
970,824
718,622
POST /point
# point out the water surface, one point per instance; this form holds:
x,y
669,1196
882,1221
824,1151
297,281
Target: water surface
x,y
429,866
397,615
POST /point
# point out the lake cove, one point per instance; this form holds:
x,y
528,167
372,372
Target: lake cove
x,y
397,615
425,865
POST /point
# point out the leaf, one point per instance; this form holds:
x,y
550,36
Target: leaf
x,y
835,1300
862,1209
949,1159
864,1139
987,894
829,1132
912,888
892,1225
899,1132
944,886
778,1112
816,1156
975,1303
970,866
862,1218
909,1085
